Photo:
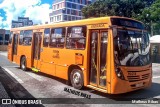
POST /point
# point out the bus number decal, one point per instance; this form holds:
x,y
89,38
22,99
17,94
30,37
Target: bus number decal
x,y
131,73
97,26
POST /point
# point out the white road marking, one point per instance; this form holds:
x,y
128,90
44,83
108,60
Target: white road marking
x,y
156,77
10,66
35,76
4,54
13,75
157,96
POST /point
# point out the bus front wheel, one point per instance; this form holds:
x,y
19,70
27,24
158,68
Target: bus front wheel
x,y
76,78
23,64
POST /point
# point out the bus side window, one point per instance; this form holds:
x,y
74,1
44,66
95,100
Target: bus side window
x,y
76,38
21,37
57,37
46,37
27,37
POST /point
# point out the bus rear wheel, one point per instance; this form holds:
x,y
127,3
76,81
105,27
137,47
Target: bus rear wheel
x,y
76,78
23,64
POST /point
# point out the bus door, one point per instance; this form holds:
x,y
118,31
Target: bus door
x,y
98,58
14,47
37,37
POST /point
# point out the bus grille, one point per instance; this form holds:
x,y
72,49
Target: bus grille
x,y
138,78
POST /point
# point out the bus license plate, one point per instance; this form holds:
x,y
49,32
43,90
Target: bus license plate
x,y
139,85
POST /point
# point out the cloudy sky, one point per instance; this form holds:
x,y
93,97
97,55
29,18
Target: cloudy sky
x,y
36,10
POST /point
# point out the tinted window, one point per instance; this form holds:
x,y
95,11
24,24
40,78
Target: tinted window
x,y
127,23
74,6
76,38
132,48
21,38
57,37
27,37
46,37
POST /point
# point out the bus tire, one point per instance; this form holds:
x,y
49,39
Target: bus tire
x,y
23,64
76,78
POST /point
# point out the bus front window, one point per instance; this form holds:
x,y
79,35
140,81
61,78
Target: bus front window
x,y
132,48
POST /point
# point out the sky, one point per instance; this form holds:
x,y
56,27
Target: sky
x,y
37,11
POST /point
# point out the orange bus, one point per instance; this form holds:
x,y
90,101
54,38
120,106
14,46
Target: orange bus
x,y
108,54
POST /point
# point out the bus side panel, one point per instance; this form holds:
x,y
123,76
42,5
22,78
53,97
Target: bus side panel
x,y
25,51
47,61
66,58
10,52
86,61
19,54
109,60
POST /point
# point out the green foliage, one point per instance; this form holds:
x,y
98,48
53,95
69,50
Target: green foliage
x,y
151,17
126,8
147,11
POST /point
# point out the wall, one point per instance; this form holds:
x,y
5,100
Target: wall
x,y
3,47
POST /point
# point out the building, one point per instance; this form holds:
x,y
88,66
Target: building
x,y
4,39
67,10
155,48
22,21
4,36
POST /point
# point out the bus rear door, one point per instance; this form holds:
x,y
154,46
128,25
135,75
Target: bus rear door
x,y
98,58
37,37
14,48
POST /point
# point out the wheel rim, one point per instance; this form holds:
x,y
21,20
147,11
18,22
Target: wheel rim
x,y
23,65
76,78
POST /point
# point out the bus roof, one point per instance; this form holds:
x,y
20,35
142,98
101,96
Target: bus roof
x,y
72,23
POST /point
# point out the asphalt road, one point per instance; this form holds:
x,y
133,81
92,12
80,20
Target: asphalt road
x,y
50,90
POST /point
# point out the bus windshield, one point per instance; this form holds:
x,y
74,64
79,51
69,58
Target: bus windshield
x,y
132,48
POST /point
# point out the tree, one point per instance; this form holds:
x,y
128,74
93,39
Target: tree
x,y
151,17
145,10
126,8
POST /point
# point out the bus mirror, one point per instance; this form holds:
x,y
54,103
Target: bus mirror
x,y
114,32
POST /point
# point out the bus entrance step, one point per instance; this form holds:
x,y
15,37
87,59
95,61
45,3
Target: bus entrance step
x,y
35,69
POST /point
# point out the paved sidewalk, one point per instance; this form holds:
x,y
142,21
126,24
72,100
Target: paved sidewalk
x,y
3,93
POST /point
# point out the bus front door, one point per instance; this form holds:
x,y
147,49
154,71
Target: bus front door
x,y
37,37
98,58
14,47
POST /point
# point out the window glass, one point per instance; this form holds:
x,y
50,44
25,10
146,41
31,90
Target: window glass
x,y
46,37
65,17
57,37
68,5
27,37
73,12
73,18
76,38
21,38
74,6
80,13
10,38
68,11
81,7
64,11
69,18
132,48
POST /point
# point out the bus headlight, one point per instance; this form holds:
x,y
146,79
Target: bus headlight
x,y
120,74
